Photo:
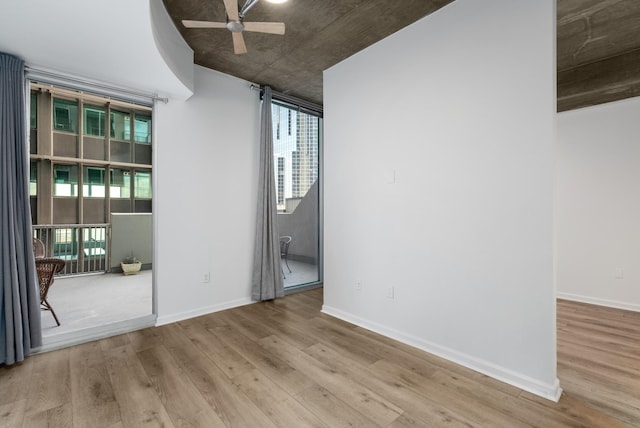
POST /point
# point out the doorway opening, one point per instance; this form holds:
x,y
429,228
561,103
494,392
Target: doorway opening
x,y
91,207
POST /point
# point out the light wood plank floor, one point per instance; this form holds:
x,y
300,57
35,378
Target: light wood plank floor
x,y
285,364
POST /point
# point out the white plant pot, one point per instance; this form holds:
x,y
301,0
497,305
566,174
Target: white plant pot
x,y
131,268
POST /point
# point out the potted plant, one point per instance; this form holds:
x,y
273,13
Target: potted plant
x,y
130,265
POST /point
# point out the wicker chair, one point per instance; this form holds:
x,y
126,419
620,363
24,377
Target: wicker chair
x,y
46,269
285,241
38,248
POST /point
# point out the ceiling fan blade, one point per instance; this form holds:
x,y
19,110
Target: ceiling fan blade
x,y
203,24
231,7
238,44
265,27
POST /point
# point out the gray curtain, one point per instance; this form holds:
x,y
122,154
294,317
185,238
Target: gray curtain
x,y
20,329
267,273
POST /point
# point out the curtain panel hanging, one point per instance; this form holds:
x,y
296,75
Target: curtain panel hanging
x,y
267,272
20,329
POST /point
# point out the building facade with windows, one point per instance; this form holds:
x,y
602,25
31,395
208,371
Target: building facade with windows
x,y
296,142
90,156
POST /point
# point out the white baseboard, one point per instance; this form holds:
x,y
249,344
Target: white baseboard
x,y
598,301
549,391
168,319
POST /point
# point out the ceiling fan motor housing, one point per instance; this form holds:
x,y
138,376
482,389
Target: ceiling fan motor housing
x,y
235,26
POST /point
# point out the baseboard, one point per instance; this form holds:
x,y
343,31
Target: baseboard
x,y
599,302
549,391
168,319
59,341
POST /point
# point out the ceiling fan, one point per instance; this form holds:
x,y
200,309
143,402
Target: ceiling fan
x,y
236,24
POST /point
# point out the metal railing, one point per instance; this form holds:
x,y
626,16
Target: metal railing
x,y
85,247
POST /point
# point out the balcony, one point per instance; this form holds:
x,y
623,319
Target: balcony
x,y
91,297
89,303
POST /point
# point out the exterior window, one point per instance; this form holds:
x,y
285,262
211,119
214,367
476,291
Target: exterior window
x,y
65,180
142,129
94,121
142,185
33,179
93,184
65,115
33,106
94,241
65,244
120,184
120,125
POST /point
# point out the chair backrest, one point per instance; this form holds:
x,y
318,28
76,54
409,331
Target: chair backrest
x,y
38,248
46,268
285,241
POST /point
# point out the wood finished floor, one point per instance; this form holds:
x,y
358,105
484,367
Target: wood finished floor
x,y
285,364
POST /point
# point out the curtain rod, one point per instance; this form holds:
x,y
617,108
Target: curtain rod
x,y
279,96
56,78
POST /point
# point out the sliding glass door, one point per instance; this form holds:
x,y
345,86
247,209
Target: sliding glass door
x,y
297,142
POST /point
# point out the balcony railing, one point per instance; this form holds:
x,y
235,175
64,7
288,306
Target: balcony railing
x,y
85,247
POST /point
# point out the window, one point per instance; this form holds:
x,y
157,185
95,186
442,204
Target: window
x,y
64,236
93,185
65,115
33,178
94,118
65,244
142,129
120,184
95,242
65,180
142,185
33,106
120,125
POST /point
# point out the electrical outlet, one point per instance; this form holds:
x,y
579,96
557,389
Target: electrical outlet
x,y
619,273
206,278
359,285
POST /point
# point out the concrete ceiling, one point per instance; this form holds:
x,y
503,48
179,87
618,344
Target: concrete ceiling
x,y
598,42
598,51
319,34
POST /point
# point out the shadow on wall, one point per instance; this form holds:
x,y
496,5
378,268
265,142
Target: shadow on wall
x,y
302,226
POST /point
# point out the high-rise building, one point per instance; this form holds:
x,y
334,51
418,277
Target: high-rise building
x,y
295,142
280,174
305,157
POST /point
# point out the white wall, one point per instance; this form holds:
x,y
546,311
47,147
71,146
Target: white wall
x,y
598,204
118,42
459,108
205,196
